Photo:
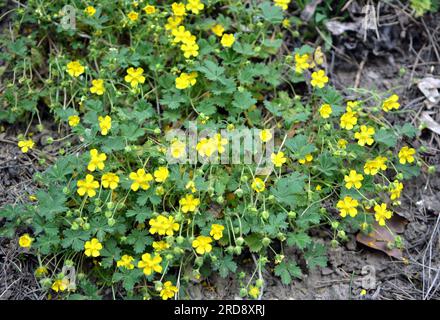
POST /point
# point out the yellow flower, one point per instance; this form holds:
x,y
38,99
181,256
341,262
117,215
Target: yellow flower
x,y
254,292
96,160
26,145
88,185
217,231
278,159
318,187
325,111
194,6
319,79
286,23
25,241
73,120
161,174
202,244
206,147
382,214
307,159
133,16
173,23
134,76
163,225
218,30
110,180
75,69
352,106
150,264
98,87
221,142
160,246
178,9
149,9
140,179
189,203
105,124
258,185
191,185
168,290
396,190
60,285
347,206
90,11
126,261
227,40
177,149
190,50
353,179
365,136
391,103
265,135
301,63
348,120
92,248
406,154
372,167
342,143
283,4
41,271
363,292
186,80
180,34
160,190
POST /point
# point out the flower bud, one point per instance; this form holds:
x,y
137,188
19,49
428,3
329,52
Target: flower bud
x,y
266,241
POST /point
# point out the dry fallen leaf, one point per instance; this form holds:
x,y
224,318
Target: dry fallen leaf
x,y
430,123
429,87
337,28
380,237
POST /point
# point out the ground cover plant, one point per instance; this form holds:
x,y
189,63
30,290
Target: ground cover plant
x,y
124,208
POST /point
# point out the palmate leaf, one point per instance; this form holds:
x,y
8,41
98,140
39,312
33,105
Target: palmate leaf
x,y
211,70
225,265
51,202
298,239
243,100
139,239
315,256
287,190
286,270
254,242
271,13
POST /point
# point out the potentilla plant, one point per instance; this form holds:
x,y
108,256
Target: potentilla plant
x,y
127,207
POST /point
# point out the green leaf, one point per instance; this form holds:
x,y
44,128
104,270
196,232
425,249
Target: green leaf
x,y
225,266
316,256
272,14
131,131
299,239
139,239
51,202
286,270
243,100
211,70
288,189
75,239
408,130
254,242
327,164
386,137
300,146
308,217
140,214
